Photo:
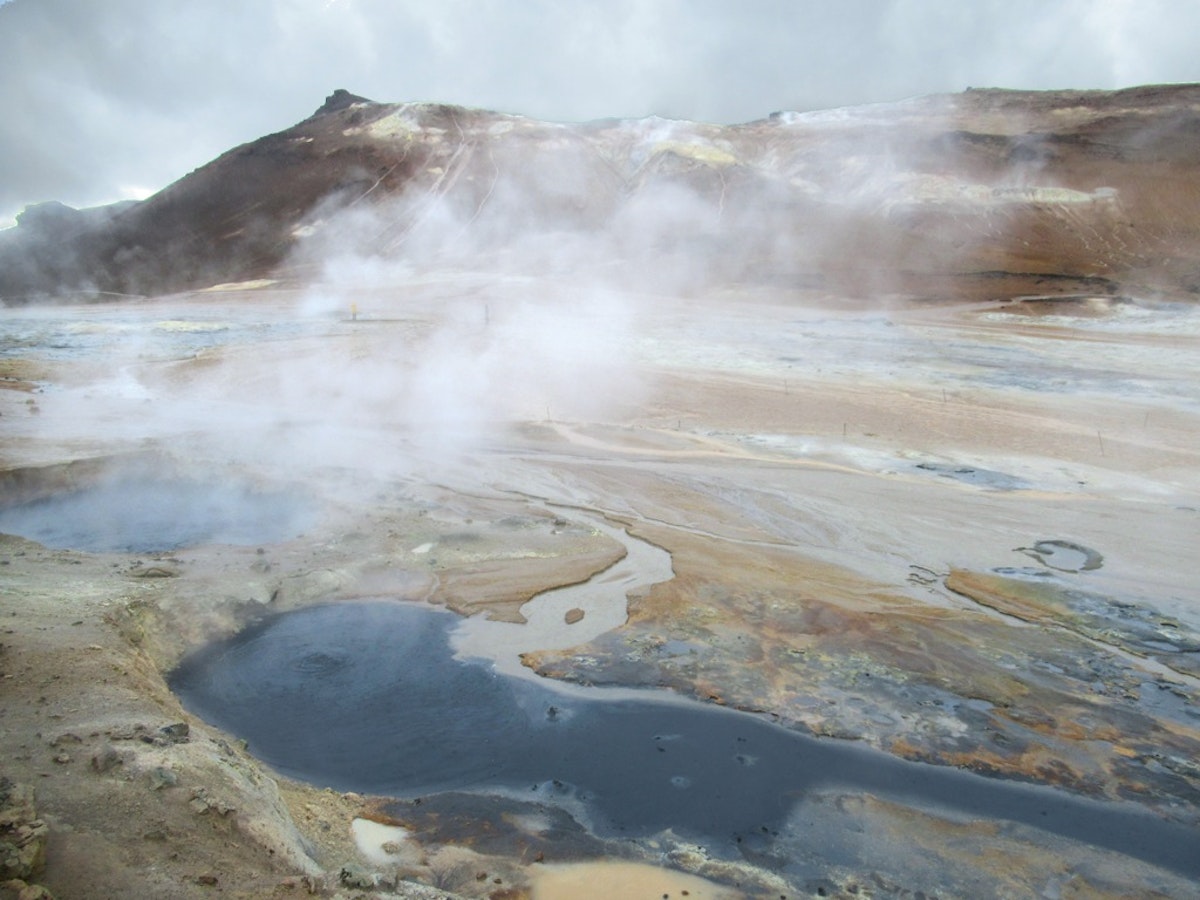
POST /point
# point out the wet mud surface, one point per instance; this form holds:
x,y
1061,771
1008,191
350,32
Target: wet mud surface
x,y
398,715
984,478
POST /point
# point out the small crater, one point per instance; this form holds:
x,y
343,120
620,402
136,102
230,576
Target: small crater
x,y
1065,556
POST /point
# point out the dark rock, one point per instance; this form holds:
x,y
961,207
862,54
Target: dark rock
x,y
340,99
176,733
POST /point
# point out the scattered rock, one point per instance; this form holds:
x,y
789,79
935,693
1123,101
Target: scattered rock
x,y
176,733
134,732
154,572
19,890
161,777
573,615
105,758
201,803
355,876
22,834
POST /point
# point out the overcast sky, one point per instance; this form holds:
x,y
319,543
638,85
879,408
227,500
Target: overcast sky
x,y
107,99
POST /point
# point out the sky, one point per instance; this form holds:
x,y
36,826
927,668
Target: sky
x,y
102,100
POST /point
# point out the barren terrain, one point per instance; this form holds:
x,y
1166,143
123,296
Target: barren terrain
x,y
926,503
844,495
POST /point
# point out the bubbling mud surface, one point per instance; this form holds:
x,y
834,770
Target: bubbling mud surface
x,y
132,514
369,697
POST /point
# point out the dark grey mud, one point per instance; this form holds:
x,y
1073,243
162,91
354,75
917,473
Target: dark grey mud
x,y
368,697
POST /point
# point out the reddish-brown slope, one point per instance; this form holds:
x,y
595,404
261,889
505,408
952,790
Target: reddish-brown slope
x,y
1092,189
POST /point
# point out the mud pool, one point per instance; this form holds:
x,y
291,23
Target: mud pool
x,y
368,697
130,512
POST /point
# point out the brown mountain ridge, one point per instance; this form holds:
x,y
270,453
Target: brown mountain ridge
x,y
1023,192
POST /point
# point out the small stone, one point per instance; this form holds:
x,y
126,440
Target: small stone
x,y
161,777
34,892
202,803
105,758
355,876
206,879
176,733
154,572
132,732
573,615
62,758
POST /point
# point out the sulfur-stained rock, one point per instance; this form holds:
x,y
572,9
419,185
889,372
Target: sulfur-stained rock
x,y
1128,623
22,834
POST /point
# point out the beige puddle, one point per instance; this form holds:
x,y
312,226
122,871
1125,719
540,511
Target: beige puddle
x,y
631,881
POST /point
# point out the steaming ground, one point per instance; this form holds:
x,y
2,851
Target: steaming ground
x,y
851,495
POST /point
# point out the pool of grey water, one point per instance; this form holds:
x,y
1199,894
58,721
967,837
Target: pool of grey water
x,y
367,696
151,512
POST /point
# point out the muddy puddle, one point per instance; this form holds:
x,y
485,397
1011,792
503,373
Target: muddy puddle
x,y
369,697
153,511
984,478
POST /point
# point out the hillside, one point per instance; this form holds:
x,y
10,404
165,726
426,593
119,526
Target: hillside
x,y
1017,192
